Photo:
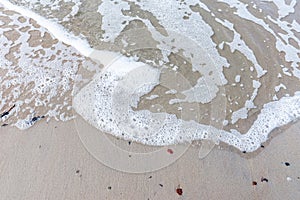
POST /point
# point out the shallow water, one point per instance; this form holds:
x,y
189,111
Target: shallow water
x,y
225,60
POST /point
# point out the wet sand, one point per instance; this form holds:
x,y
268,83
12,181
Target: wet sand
x,y
50,162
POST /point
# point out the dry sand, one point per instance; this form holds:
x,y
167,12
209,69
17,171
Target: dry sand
x,y
49,161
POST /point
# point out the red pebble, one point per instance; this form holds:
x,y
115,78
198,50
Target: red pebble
x,y
179,191
170,151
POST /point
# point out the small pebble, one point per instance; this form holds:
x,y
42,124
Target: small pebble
x,y
179,191
264,179
170,151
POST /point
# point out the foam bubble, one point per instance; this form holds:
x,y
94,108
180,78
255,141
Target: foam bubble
x,y
106,104
97,101
37,72
54,28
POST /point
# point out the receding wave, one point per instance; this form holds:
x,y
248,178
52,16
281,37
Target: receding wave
x,y
173,71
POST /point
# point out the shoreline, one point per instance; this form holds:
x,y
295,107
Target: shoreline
x,y
57,159
54,28
252,134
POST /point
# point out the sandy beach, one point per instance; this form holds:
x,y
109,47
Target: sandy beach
x,y
50,162
59,155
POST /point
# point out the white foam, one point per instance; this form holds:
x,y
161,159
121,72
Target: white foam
x,y
106,104
282,40
153,96
107,101
280,86
74,11
54,28
238,44
242,113
203,92
172,91
187,37
36,74
283,8
237,78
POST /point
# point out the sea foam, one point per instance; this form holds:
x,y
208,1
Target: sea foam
x,y
106,103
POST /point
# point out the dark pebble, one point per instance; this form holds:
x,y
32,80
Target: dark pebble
x,y
179,191
264,179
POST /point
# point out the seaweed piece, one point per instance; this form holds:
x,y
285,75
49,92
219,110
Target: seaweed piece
x,y
35,119
7,112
